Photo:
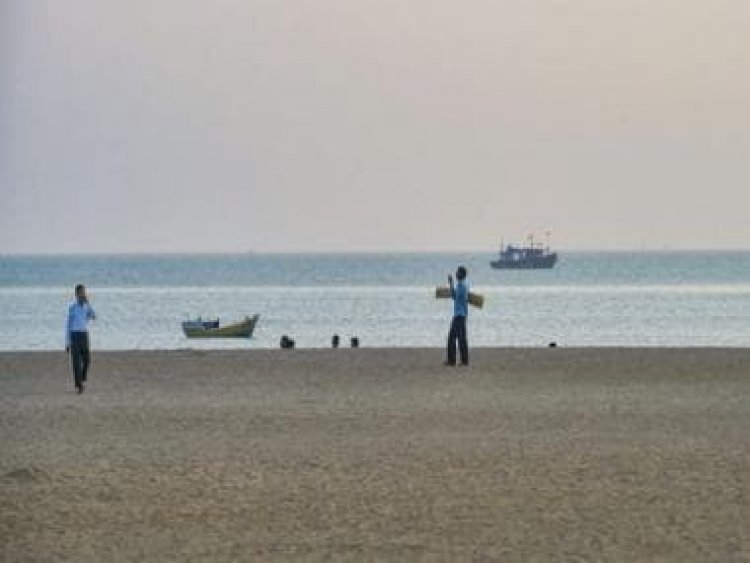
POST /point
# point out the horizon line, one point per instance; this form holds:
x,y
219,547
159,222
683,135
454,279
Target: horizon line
x,y
352,251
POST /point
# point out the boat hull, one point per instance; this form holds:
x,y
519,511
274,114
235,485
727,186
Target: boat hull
x,y
537,263
242,329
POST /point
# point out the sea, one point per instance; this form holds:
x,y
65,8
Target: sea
x,y
666,298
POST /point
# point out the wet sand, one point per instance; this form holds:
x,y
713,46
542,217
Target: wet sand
x,y
367,455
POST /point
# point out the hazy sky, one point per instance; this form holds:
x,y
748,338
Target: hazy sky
x,y
156,125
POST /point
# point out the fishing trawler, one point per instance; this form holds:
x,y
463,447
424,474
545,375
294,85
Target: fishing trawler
x,y
533,256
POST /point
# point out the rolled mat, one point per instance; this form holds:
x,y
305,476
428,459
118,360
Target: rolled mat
x,y
475,299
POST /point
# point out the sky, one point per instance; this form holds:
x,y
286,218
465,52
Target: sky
x,y
373,125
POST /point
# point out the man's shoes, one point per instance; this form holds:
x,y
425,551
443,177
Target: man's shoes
x,y
449,364
80,388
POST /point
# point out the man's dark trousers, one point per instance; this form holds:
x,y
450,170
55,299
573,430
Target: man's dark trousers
x,y
80,356
456,335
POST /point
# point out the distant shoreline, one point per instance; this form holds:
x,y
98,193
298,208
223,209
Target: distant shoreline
x,y
558,349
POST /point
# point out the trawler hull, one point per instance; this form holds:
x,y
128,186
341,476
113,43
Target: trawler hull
x,y
532,263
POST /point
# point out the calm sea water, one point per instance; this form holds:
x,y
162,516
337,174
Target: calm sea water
x,y
588,299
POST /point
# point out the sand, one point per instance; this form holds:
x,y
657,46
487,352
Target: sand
x,y
369,455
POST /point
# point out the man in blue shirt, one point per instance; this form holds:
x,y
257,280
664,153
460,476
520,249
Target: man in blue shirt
x,y
457,334
77,336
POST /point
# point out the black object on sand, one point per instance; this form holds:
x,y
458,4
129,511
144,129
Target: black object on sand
x,y
335,341
355,342
286,342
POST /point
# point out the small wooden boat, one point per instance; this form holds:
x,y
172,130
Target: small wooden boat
x,y
212,329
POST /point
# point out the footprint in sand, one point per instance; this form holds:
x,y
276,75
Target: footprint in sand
x,y
27,475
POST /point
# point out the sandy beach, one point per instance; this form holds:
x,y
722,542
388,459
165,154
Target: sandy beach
x,y
366,455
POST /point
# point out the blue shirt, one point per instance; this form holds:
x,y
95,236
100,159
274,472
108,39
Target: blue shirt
x,y
461,299
78,318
